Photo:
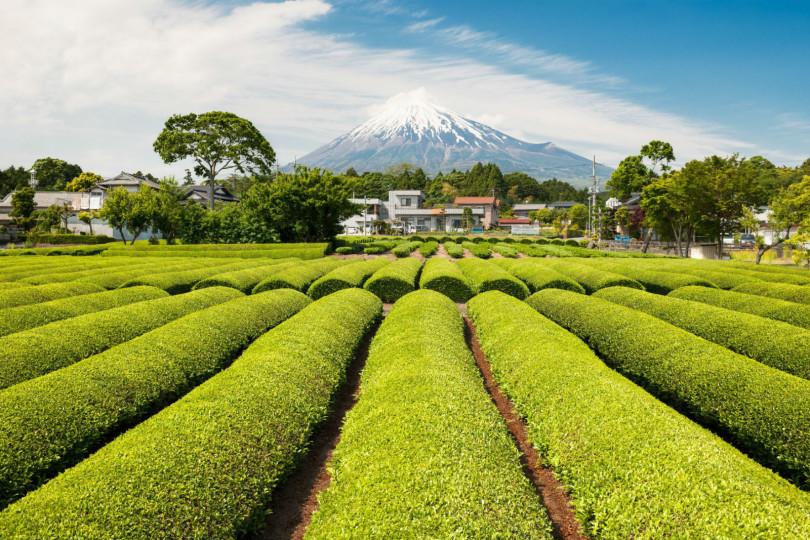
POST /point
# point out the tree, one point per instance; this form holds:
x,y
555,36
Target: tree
x,y
577,218
466,218
669,206
116,210
87,219
659,153
126,211
22,207
12,178
790,207
629,177
554,190
166,210
53,174
216,141
544,215
84,182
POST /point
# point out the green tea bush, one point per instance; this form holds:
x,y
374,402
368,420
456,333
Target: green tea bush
x,y
487,276
34,352
634,467
374,250
223,447
6,285
762,410
116,278
478,249
21,318
345,250
776,344
772,308
590,278
300,276
429,248
780,291
504,250
394,280
654,281
51,422
345,277
184,280
454,250
22,296
70,239
245,280
538,276
441,444
445,276
405,249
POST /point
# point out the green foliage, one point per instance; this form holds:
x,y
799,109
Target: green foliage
x,y
487,276
374,250
440,444
43,293
632,175
53,174
21,318
481,250
634,468
300,276
762,410
504,250
345,250
22,207
116,277
591,279
351,275
245,280
184,280
128,212
405,249
35,352
538,276
84,182
772,308
776,344
454,250
70,239
395,280
429,248
446,277
54,421
653,280
13,178
781,291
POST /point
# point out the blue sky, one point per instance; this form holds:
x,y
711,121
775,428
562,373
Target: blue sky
x,y
594,77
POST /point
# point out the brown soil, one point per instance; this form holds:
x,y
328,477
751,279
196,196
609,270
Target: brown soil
x,y
296,499
441,252
551,491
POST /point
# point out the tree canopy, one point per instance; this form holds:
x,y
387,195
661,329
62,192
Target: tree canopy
x,y
84,182
53,174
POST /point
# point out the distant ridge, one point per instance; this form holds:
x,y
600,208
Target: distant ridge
x,y
412,129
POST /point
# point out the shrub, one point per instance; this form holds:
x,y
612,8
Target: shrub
x,y
88,401
762,410
556,242
429,248
444,428
21,318
397,279
772,308
6,285
781,291
571,242
184,280
591,279
416,238
245,280
405,249
487,276
345,277
374,250
22,296
505,251
723,280
538,276
300,276
634,467
117,278
776,344
345,250
146,484
446,277
454,250
34,352
480,249
70,239
653,280
63,273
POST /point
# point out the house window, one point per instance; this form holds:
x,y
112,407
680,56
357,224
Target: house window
x,y
406,201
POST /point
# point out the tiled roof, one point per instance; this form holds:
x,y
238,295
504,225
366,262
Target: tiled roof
x,y
514,221
476,200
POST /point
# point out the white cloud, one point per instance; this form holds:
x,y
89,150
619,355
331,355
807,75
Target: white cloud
x,y
94,85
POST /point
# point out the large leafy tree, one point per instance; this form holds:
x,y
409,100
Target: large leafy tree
x,y
629,177
84,182
659,153
12,178
216,141
22,207
126,211
788,208
54,174
553,190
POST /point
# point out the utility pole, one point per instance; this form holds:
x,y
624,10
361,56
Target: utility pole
x,y
592,209
365,208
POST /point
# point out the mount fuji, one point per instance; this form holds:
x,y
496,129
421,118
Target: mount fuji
x,y
411,129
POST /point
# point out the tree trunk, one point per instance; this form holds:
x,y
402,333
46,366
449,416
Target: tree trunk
x,y
123,238
647,240
211,176
90,224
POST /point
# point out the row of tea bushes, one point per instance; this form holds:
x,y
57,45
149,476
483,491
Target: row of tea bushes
x,y
781,291
245,280
446,277
772,308
21,318
454,250
481,250
148,483
40,350
764,411
299,276
776,344
433,461
590,278
405,249
184,280
487,276
345,277
53,421
298,253
634,468
505,250
428,249
654,281
395,280
538,276
113,280
22,296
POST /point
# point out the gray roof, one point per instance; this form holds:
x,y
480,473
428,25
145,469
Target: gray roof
x,y
44,199
528,206
126,179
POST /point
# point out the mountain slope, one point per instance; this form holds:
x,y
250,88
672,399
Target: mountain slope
x,y
411,129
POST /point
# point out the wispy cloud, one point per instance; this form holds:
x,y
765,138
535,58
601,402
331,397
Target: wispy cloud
x,y
421,26
792,122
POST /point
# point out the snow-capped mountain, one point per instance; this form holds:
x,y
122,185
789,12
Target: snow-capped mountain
x,y
411,129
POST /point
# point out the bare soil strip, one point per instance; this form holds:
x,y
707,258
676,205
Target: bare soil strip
x,y
296,499
549,489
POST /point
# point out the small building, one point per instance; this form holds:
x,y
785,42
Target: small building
x,y
489,205
561,205
523,210
202,194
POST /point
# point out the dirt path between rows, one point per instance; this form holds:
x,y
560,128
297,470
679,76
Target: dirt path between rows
x,y
549,489
296,499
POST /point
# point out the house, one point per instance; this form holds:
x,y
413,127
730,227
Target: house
x,y
489,205
519,225
523,210
42,200
561,205
202,194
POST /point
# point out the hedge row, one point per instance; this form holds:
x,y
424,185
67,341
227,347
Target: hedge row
x,y
6,285
206,466
394,280
429,249
54,251
374,250
21,318
70,239
435,461
780,291
245,280
764,411
504,250
183,280
487,276
454,250
772,308
590,278
723,280
66,273
478,249
51,422
538,276
653,280
445,276
37,266
345,277
113,280
298,253
405,249
634,468
223,247
22,296
299,276
776,344
34,352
